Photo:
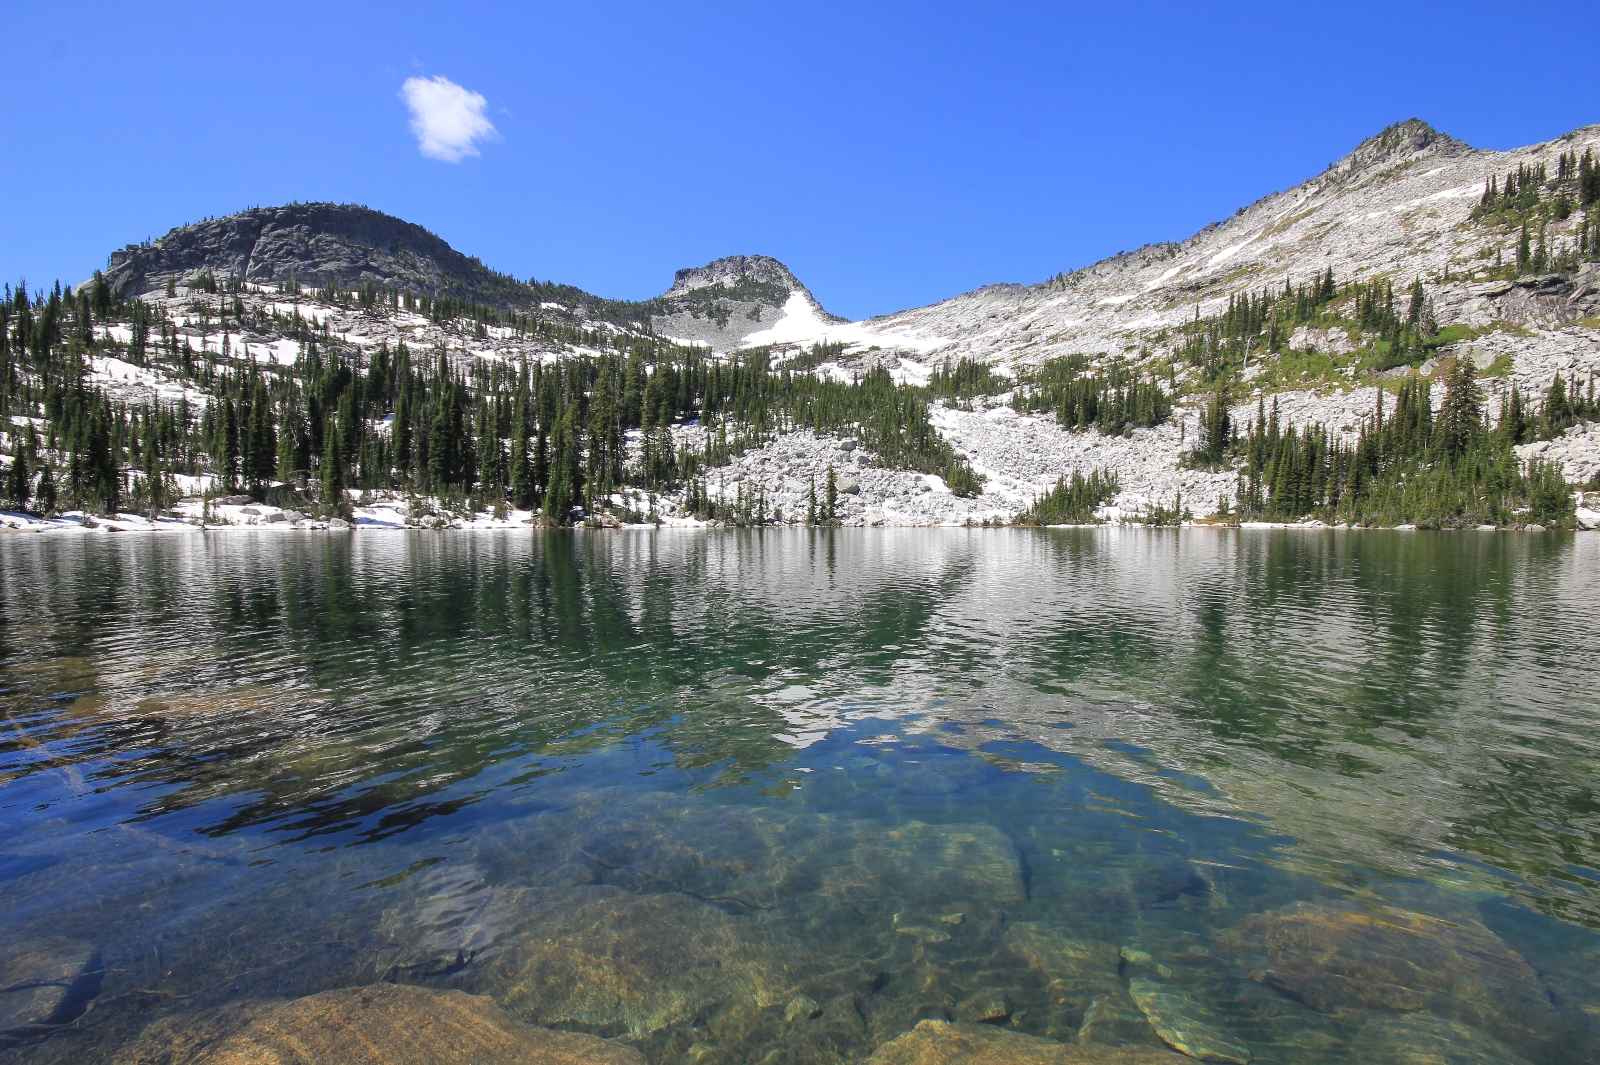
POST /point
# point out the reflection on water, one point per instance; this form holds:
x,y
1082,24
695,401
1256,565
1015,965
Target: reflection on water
x,y
779,796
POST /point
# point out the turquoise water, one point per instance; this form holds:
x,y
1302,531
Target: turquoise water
x,y
777,795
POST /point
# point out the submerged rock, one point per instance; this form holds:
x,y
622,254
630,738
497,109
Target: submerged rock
x,y
1426,1039
940,1043
1113,1020
616,963
456,918
1184,1024
801,1008
1076,972
984,1007
1055,956
748,861
936,867
1398,961
47,984
383,1024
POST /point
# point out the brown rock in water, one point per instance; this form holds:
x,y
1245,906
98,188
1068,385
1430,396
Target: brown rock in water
x,y
1423,1039
385,1024
617,963
986,1007
1112,1019
1076,971
1397,961
939,1043
1058,957
1185,1024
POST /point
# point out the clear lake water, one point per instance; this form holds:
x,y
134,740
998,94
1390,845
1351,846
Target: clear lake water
x,y
777,795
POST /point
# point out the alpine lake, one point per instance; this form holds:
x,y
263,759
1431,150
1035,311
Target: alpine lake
x,y
797,797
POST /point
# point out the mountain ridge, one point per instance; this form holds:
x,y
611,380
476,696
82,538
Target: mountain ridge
x,y
1414,256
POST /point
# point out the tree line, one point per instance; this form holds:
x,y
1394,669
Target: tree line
x,y
549,436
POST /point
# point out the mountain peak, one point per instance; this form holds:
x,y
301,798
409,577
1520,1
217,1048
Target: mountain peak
x,y
734,271
1400,142
314,244
727,300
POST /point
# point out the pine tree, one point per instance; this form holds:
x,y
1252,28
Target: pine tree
x,y
262,436
522,490
1460,420
562,494
1513,425
1216,429
45,494
19,485
332,471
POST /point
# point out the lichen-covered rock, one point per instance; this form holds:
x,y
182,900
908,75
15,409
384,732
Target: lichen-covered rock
x,y
1185,1024
939,1043
383,1024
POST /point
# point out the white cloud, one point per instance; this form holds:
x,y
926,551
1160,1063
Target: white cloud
x,y
447,119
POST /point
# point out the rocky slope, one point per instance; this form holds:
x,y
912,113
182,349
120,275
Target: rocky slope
x,y
1399,207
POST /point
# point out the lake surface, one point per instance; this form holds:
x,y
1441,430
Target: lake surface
x,y
774,796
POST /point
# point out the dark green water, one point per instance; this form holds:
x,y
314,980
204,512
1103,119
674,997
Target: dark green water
x,y
741,796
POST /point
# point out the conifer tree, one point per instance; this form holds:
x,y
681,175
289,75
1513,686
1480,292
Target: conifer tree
x,y
332,470
1460,420
19,485
45,494
521,464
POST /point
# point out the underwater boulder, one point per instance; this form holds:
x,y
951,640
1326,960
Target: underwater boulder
x,y
1184,1024
1398,961
614,963
45,984
941,1043
1426,1039
383,1024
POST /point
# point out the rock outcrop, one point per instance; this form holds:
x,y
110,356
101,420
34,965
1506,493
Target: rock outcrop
x,y
314,244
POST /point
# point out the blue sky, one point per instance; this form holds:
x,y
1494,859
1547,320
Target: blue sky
x,y
892,155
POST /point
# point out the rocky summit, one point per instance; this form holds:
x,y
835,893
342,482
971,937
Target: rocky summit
x,y
314,244
733,302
